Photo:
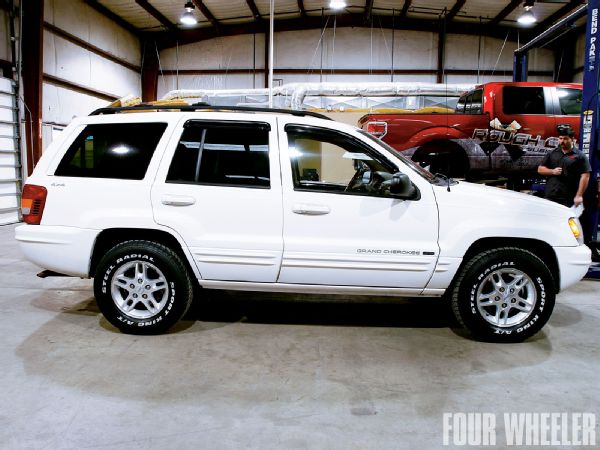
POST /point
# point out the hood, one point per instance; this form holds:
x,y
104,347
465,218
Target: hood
x,y
486,198
479,212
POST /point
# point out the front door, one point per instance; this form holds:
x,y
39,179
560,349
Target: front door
x,y
341,225
221,192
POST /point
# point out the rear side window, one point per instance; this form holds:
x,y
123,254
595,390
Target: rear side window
x,y
471,103
570,101
222,154
523,100
121,151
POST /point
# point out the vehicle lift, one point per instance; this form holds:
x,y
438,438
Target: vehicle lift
x,y
590,124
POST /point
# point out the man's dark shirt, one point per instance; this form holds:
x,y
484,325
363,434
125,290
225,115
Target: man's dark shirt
x,y
563,188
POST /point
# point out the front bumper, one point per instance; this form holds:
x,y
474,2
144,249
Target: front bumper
x,y
66,250
573,264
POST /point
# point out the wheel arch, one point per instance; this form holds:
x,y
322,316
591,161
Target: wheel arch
x,y
110,237
539,248
448,146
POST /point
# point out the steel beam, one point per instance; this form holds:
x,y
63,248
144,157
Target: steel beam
x,y
33,54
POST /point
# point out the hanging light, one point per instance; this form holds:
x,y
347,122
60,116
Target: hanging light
x,y
337,4
188,17
527,18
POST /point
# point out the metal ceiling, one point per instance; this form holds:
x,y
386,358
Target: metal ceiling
x,y
218,17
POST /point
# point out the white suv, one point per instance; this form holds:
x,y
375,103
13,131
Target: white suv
x,y
153,203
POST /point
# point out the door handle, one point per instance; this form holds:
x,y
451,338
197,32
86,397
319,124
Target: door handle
x,y
311,210
177,200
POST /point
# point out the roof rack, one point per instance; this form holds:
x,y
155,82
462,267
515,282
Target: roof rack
x,y
205,107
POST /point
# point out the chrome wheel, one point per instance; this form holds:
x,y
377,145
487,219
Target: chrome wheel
x,y
506,298
139,289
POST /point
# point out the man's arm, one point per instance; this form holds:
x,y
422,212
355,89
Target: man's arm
x,y
543,170
583,184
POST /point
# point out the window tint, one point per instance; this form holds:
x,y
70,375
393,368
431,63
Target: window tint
x,y
476,106
112,150
470,103
523,100
460,106
326,161
222,153
570,101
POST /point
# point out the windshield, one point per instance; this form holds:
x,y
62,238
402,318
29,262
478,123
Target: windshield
x,y
409,162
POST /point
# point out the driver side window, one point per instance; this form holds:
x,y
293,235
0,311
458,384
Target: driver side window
x,y
327,161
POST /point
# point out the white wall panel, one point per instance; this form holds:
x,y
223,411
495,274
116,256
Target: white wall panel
x,y
75,17
232,81
113,78
414,50
62,105
70,62
541,59
221,53
352,48
462,53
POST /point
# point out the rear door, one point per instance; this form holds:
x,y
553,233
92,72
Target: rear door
x,y
219,187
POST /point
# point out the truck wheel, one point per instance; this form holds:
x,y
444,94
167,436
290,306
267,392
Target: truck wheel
x,y
443,157
504,295
142,287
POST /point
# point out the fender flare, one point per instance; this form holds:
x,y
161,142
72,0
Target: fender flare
x,y
435,134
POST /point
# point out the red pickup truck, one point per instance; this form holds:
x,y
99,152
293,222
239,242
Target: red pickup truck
x,y
500,128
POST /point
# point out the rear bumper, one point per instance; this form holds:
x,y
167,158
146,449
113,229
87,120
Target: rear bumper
x,y
65,250
573,264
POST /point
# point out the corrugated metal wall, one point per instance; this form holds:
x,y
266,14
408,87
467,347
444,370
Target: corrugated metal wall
x,y
69,62
351,48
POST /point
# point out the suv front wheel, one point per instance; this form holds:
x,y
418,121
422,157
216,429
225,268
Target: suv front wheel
x,y
504,295
142,287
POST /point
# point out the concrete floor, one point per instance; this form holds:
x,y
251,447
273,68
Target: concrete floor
x,y
271,371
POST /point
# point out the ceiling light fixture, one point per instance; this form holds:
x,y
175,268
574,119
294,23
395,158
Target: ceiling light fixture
x,y
188,17
337,4
527,18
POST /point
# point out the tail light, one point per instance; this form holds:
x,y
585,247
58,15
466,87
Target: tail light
x,y
33,201
377,129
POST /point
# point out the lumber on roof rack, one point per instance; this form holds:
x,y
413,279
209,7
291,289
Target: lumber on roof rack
x,y
204,107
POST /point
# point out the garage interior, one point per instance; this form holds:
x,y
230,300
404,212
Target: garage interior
x,y
250,370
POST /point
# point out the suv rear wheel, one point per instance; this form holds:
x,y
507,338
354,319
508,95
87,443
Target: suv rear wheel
x,y
142,287
504,295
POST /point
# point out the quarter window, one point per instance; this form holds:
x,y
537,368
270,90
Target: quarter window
x,y
471,103
222,153
121,151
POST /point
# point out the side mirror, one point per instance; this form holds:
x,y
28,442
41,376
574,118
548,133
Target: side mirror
x,y
402,187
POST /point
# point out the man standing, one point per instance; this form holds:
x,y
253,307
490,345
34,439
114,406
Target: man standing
x,y
568,170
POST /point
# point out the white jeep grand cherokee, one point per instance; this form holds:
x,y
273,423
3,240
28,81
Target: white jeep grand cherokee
x,y
152,203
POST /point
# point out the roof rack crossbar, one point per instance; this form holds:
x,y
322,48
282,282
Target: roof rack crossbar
x,y
204,107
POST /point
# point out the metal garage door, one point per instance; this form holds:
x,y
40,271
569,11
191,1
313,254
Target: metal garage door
x,y
10,167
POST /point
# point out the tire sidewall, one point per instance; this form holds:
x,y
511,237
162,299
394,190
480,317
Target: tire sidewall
x,y
176,284
475,276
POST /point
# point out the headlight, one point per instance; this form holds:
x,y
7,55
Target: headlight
x,y
576,229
